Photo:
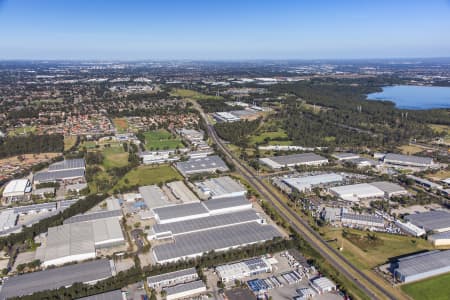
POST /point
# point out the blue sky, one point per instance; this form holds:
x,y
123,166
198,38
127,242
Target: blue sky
x,y
190,29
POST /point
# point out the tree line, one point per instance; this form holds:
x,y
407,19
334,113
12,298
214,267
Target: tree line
x,y
17,145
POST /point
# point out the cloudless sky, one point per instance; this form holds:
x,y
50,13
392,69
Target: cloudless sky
x,y
226,29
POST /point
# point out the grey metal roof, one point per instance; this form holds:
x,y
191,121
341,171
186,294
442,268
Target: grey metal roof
x,y
55,278
180,210
46,176
388,187
227,202
426,262
113,295
207,222
440,235
202,164
215,239
408,159
221,186
77,163
94,216
365,218
432,220
297,158
34,207
171,276
153,196
184,287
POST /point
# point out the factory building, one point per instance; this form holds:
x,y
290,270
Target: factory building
x,y
220,187
360,220
421,266
113,295
306,183
363,162
172,278
15,190
410,228
227,205
408,160
342,156
246,268
226,117
50,279
185,290
158,157
434,221
441,239
208,164
69,169
8,219
303,159
182,192
323,285
357,192
153,196
425,183
390,189
180,212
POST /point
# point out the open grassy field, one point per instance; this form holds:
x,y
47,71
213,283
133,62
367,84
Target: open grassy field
x,y
114,157
22,130
388,246
69,141
121,124
183,93
440,128
272,135
410,149
441,174
146,175
435,288
161,139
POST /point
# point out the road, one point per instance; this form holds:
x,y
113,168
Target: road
x,y
366,284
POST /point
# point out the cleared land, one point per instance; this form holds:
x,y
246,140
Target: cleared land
x,y
161,139
183,93
69,142
146,175
435,288
114,157
121,124
410,149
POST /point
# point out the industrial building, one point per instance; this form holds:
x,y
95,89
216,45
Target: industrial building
x,y
246,268
360,220
225,117
113,295
67,164
408,160
27,284
158,157
8,219
410,228
363,162
182,192
196,244
390,189
342,156
15,190
94,216
172,278
303,159
220,187
323,285
425,183
357,192
208,164
180,212
435,221
184,290
306,183
227,205
69,169
153,196
421,266
440,239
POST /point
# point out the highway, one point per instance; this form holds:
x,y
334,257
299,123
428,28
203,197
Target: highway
x,y
366,284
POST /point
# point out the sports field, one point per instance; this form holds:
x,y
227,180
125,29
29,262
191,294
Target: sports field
x,y
435,288
161,139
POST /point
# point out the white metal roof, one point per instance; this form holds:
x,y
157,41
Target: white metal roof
x,y
16,186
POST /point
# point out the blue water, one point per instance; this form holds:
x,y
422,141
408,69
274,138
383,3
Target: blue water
x,y
414,97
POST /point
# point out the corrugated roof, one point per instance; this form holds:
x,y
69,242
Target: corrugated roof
x,y
46,176
113,295
94,216
77,163
408,159
184,287
153,196
228,202
432,220
171,276
388,187
202,164
297,158
180,210
221,186
16,186
424,263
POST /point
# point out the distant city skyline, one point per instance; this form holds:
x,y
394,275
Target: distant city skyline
x,y
223,30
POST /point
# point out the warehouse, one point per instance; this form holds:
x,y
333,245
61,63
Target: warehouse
x,y
357,192
225,117
435,221
425,183
247,268
323,285
69,169
227,205
306,183
172,278
208,164
220,187
390,189
113,295
170,230
94,216
196,244
182,192
180,212
410,228
408,160
8,219
153,196
27,284
360,220
185,290
158,157
303,159
421,266
68,164
440,239
15,190
363,162
342,156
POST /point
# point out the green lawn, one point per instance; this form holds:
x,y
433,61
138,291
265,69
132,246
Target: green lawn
x,y
114,157
161,139
273,135
146,175
183,93
69,141
435,288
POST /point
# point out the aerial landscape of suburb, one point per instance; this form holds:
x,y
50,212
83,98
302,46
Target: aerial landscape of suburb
x,y
224,150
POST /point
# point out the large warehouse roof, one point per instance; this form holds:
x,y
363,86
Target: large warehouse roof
x,y
185,287
194,244
68,164
55,278
94,216
294,159
408,159
224,185
16,187
46,176
431,221
180,210
113,295
354,192
171,276
422,263
207,223
224,203
182,192
388,187
305,182
202,164
153,196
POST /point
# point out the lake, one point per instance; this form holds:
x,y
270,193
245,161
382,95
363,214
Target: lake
x,y
414,97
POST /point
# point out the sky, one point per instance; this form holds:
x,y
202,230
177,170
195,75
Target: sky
x,y
226,29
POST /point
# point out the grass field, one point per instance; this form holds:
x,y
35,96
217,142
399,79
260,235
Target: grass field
x,y
161,139
146,175
121,124
22,130
440,128
272,135
183,93
410,149
435,288
114,157
69,141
